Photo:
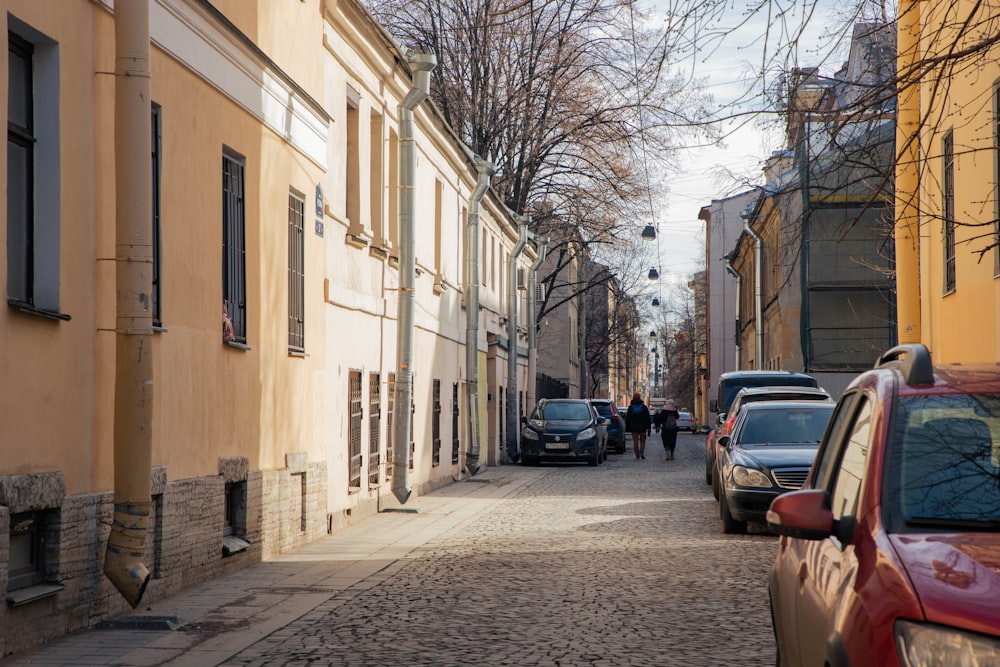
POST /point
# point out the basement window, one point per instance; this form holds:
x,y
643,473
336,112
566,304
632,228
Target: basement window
x,y
235,524
29,547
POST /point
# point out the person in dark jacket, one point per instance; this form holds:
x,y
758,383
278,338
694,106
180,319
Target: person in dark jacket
x,y
638,422
666,423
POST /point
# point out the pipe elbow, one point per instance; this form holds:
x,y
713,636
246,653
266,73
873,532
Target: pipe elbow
x,y
123,564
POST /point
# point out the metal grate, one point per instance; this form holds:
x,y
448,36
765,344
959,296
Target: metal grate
x,y
790,478
374,421
296,272
436,426
354,438
391,402
156,142
234,246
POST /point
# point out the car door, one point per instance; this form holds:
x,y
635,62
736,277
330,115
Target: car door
x,y
828,568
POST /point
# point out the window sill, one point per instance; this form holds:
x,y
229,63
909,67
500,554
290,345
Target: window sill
x,y
377,252
21,596
237,345
353,489
298,353
30,309
233,545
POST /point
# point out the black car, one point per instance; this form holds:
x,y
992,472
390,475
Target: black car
x,y
564,429
616,423
769,452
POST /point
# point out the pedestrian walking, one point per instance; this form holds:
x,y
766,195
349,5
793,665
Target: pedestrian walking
x,y
638,422
666,424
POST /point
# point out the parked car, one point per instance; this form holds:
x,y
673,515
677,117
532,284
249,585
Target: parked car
x,y
685,421
729,384
888,554
769,452
564,429
753,395
616,424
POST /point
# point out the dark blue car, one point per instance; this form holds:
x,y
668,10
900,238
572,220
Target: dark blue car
x,y
563,429
616,423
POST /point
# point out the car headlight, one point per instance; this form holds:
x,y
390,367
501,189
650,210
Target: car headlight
x,y
750,477
922,644
529,434
586,434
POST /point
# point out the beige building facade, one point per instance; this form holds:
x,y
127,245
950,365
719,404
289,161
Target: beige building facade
x,y
274,294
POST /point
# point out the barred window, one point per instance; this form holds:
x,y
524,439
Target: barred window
x,y
234,248
296,272
948,209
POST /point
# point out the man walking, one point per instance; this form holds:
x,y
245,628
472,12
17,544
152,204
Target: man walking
x,y
638,423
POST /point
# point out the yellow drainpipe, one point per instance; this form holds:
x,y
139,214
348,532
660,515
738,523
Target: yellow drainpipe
x,y
134,320
908,174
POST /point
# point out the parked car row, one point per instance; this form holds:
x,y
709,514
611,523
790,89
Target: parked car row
x,y
889,537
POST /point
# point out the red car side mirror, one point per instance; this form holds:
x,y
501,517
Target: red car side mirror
x,y
803,514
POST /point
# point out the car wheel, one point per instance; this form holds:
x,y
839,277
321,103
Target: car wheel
x,y
729,524
715,483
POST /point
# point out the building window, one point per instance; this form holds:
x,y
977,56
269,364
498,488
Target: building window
x,y
355,457
296,272
27,550
376,181
948,209
454,423
374,421
394,192
235,523
156,145
438,203
436,425
390,404
33,186
352,184
234,248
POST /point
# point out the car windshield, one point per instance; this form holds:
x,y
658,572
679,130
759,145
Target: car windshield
x,y
563,412
783,426
945,463
729,388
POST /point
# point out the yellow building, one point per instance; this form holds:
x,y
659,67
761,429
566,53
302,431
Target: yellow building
x,y
953,108
267,251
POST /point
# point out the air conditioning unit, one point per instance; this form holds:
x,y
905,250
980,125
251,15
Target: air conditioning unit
x,y
539,292
522,278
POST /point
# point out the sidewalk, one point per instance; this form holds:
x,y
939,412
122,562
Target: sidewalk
x,y
211,622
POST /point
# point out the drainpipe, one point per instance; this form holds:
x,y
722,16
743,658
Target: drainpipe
x,y
513,453
908,175
485,171
758,294
133,416
543,242
739,286
421,65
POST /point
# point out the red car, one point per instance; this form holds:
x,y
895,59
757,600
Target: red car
x,y
890,553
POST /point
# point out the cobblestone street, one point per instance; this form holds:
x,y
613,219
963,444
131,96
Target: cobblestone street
x,y
624,564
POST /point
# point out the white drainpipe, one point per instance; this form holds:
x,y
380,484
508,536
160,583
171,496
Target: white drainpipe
x,y
543,242
421,65
485,171
513,430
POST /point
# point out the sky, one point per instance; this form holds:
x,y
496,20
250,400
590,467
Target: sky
x,y
701,175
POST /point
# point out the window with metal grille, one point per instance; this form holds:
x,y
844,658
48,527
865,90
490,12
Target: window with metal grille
x,y
296,272
436,425
234,247
156,139
354,437
20,171
374,420
948,209
390,388
454,423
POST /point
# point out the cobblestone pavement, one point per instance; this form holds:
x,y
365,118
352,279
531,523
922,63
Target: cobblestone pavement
x,y
624,564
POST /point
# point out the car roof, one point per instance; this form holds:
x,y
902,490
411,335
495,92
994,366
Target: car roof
x,y
565,400
757,374
777,389
784,405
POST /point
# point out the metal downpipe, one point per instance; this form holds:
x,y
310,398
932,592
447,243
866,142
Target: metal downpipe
x,y
513,451
907,237
133,416
758,296
543,242
421,65
485,172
